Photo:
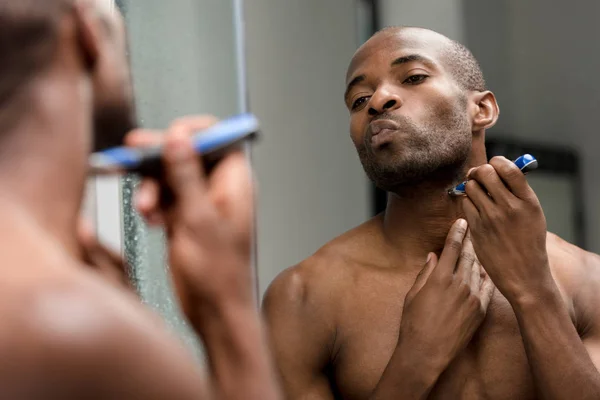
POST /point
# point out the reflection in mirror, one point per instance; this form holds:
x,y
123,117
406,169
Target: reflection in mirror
x,y
179,69
405,304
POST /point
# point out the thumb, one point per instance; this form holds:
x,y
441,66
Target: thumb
x,y
432,261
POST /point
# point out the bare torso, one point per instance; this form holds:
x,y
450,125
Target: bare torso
x,y
493,366
365,301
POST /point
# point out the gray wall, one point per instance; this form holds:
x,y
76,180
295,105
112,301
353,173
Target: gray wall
x,y
444,16
312,186
541,59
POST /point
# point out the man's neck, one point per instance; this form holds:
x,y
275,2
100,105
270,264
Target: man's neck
x,y
42,166
44,202
417,224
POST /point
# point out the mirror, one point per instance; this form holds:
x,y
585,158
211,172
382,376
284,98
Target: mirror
x,y
335,300
312,185
178,69
187,58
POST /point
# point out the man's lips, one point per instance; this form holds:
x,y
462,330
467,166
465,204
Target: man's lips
x,y
382,131
382,124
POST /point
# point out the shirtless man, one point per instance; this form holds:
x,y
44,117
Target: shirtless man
x,y
363,318
66,332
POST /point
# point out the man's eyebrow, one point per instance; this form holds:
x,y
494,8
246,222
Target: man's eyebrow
x,y
353,83
398,61
412,58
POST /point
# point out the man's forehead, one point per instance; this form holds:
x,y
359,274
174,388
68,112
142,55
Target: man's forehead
x,y
385,46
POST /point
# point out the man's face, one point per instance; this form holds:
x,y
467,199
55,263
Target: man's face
x,y
114,107
409,118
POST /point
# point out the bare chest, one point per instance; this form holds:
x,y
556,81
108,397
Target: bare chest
x,y
493,366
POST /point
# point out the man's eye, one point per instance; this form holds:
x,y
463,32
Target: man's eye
x,y
358,102
413,80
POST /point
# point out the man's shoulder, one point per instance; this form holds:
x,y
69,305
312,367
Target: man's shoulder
x,y
60,308
577,273
71,307
317,279
75,332
572,266
52,333
305,283
566,255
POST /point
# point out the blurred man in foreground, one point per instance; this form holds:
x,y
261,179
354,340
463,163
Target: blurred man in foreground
x,y
66,331
400,307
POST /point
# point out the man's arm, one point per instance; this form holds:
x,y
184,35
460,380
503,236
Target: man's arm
x,y
209,223
509,235
561,363
301,333
238,353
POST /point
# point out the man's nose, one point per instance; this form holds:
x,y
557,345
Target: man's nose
x,y
384,100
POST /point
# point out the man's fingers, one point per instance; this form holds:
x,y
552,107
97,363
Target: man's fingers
x,y
100,256
478,195
149,137
487,291
184,175
424,274
194,123
144,138
470,211
147,202
155,220
513,177
476,278
85,233
107,258
467,260
488,179
109,262
183,171
452,248
147,197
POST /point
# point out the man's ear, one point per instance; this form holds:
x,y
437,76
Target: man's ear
x,y
88,31
485,110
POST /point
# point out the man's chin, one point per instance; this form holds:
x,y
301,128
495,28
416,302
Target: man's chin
x,y
405,181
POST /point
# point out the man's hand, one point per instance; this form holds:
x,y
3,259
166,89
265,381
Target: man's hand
x,y
508,228
97,256
447,302
209,225
210,222
509,236
442,311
